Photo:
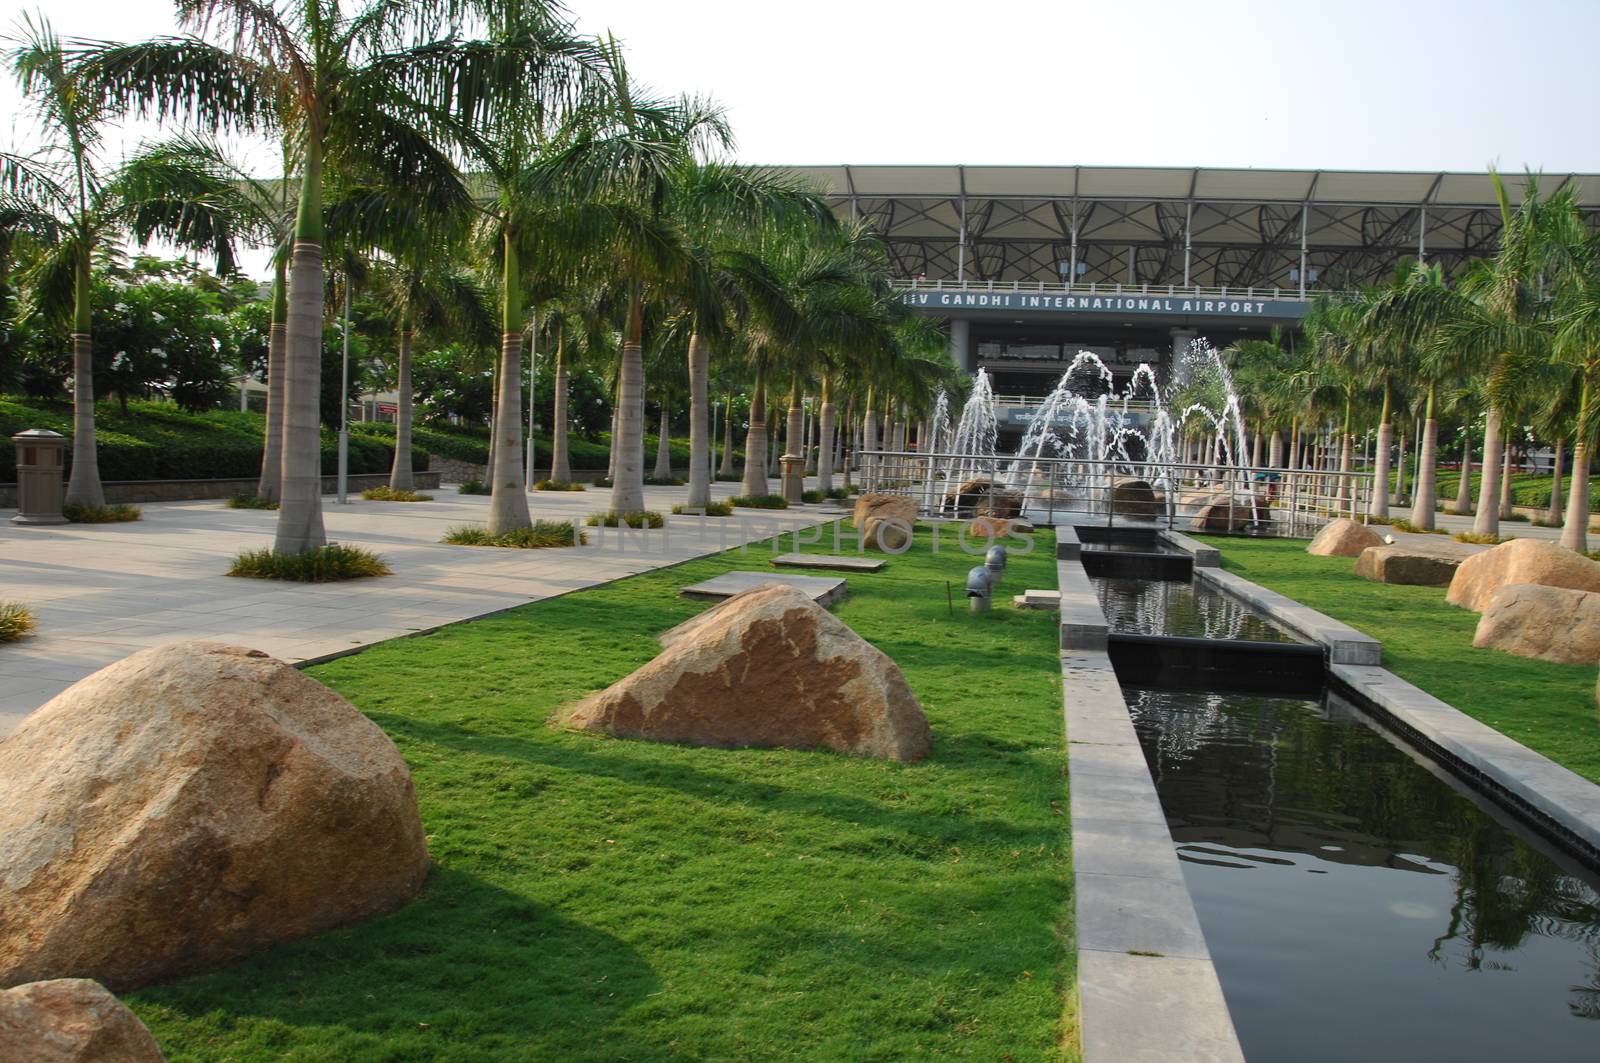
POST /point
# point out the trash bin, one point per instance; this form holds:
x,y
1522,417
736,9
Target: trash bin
x,y
41,457
792,478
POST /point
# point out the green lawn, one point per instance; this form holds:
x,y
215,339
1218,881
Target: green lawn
x,y
600,899
1547,707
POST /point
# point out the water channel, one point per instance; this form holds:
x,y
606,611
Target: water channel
x,y
1360,903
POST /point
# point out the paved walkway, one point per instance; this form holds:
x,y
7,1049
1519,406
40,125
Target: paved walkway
x,y
101,592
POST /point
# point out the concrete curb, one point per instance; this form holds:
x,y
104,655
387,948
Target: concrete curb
x,y
1204,556
1147,989
1345,644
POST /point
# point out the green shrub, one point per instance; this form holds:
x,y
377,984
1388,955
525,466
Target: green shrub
x,y
557,485
385,493
663,481
473,487
113,514
1516,518
1473,537
602,481
249,502
729,479
713,508
811,497
611,518
322,565
16,620
542,534
837,493
760,502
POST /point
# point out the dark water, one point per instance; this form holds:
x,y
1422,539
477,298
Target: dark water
x,y
1357,906
1132,546
1171,607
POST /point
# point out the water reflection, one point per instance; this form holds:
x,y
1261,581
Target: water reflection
x,y
1172,607
1358,906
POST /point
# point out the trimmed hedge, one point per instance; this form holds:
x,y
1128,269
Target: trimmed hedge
x,y
471,444
158,441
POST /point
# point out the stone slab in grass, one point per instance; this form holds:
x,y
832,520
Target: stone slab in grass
x,y
1037,600
1397,564
824,590
841,562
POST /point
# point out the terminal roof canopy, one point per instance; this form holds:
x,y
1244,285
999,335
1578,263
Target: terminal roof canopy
x,y
1160,226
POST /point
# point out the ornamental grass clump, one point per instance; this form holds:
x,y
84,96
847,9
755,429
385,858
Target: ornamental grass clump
x,y
249,502
710,509
325,564
837,493
558,485
811,497
473,487
540,535
16,620
663,481
646,518
760,502
385,493
1473,537
115,514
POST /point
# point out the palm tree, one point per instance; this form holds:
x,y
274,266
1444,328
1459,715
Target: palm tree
x,y
177,191
365,93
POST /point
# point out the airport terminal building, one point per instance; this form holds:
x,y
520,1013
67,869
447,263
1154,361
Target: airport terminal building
x,y
1031,264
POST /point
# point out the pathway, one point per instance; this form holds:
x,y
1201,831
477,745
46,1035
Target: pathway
x,y
101,592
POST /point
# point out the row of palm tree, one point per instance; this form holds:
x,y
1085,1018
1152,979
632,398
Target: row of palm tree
x,y
1513,340
438,151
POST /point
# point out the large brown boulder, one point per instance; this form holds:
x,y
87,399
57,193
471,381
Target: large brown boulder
x,y
1134,498
1520,561
767,667
71,1020
984,498
1343,538
1548,623
1400,564
1222,510
885,521
191,804
996,527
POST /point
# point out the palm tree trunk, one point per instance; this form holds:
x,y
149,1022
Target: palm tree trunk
x,y
560,459
1400,471
508,494
267,488
727,468
1255,449
400,478
826,415
1487,521
1275,449
663,470
1379,506
1575,531
300,506
627,489
616,435
869,439
1553,514
700,426
1505,481
83,486
1424,503
754,484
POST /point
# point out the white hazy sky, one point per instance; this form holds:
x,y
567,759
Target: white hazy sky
x,y
1352,84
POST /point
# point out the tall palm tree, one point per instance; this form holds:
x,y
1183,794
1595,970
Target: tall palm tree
x,y
364,92
67,193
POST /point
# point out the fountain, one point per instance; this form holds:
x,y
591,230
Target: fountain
x,y
1099,432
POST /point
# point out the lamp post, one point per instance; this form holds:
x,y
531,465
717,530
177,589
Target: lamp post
x,y
344,403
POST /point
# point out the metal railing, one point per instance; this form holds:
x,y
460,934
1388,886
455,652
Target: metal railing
x,y
1183,496
1196,291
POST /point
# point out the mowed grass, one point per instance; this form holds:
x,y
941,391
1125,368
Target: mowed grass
x,y
603,899
1547,707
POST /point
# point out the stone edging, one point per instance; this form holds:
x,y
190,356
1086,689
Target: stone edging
x,y
1083,624
1345,644
1147,989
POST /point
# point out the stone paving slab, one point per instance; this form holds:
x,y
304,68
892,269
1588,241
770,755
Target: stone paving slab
x,y
840,562
1083,624
824,590
104,591
1137,913
1153,1009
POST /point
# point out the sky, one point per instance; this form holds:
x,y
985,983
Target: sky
x,y
1320,84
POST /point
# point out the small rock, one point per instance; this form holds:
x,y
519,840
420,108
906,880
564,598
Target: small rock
x,y
1343,538
71,1020
1546,623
